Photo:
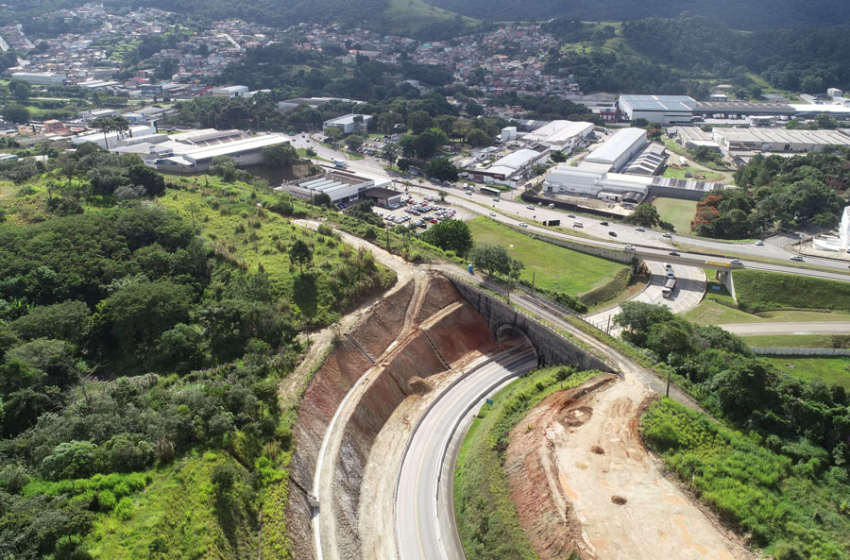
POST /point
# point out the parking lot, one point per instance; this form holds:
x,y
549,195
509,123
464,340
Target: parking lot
x,y
421,212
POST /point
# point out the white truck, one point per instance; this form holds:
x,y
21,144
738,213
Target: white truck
x,y
668,288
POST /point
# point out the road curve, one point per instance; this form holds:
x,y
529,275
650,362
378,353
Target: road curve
x,y
763,329
419,513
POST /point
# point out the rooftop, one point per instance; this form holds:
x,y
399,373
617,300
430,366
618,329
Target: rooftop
x,y
618,144
659,102
780,135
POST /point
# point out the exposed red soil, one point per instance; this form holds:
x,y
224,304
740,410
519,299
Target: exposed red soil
x,y
544,512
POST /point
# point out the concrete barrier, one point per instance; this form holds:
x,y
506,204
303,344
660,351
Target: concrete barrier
x,y
552,348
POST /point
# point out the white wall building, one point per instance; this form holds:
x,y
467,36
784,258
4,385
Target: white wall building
x,y
340,186
41,78
113,139
347,124
619,149
230,91
662,109
560,135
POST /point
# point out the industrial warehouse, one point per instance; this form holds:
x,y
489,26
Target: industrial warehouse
x,y
342,186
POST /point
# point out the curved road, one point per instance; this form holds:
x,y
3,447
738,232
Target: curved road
x,y
423,507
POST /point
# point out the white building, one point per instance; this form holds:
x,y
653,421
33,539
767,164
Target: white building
x,y
510,169
733,140
619,149
840,243
230,91
834,92
340,186
113,139
662,109
41,78
562,136
348,124
313,102
508,134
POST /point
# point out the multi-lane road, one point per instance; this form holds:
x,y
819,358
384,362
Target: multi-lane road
x,y
424,503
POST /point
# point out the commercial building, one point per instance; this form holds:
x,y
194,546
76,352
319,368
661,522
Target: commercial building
x,y
230,91
349,123
690,137
508,170
649,162
559,135
342,186
740,109
662,109
314,102
41,78
112,139
735,140
619,149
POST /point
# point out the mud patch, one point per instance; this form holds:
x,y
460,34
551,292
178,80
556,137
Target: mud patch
x,y
597,450
419,386
576,417
619,500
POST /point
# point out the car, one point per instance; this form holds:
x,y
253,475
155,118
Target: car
x,y
433,220
759,243
423,224
571,215
529,207
523,224
667,236
668,266
578,225
639,229
674,254
612,233
492,214
737,262
629,248
603,223
469,193
551,206
671,274
797,258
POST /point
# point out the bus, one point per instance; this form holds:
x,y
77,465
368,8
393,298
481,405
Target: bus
x,y
668,288
490,191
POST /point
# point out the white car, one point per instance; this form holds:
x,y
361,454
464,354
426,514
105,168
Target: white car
x,y
529,207
492,214
759,243
523,224
629,248
639,229
668,235
797,258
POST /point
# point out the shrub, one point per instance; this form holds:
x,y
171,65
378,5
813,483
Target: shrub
x,y
124,509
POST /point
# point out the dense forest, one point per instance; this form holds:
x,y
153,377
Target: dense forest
x,y
754,14
776,193
140,356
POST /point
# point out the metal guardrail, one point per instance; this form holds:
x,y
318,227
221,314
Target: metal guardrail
x,y
801,351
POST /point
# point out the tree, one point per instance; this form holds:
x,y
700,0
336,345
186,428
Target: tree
x,y
105,125
637,318
558,156
279,156
461,128
74,459
224,167
441,168
148,178
404,164
479,138
513,276
20,90
419,121
645,215
300,253
450,235
322,199
16,113
473,108
354,142
492,259
390,153
539,169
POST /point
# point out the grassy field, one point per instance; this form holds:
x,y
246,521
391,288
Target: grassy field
x,y
756,289
696,174
405,17
487,519
829,370
790,341
680,213
554,267
710,312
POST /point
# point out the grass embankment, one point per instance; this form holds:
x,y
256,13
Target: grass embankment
x,y
796,341
829,370
680,213
829,300
553,267
785,508
760,290
406,17
487,520
694,173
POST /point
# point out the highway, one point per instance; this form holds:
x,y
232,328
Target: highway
x,y
424,508
764,329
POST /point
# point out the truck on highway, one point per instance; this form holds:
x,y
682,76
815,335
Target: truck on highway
x,y
340,163
668,288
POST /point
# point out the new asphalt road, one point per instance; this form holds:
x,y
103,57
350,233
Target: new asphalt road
x,y
424,507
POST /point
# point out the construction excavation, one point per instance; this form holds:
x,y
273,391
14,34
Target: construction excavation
x,y
580,477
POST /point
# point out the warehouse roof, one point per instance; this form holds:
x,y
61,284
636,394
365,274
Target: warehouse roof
x,y
784,136
743,107
618,144
659,102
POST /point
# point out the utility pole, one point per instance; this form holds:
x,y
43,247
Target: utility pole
x,y
669,372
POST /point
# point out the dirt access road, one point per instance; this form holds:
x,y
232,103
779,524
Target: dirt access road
x,y
613,501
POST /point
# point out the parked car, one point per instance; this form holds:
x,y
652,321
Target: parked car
x,y
492,214
551,206
603,223
571,215
639,229
759,243
612,233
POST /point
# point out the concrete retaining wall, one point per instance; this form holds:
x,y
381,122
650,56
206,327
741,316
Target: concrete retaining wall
x,y
552,348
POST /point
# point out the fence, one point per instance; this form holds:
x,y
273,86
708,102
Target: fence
x,y
801,351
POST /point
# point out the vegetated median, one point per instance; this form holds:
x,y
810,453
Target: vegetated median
x,y
555,268
487,519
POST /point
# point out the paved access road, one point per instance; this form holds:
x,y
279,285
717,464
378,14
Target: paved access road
x,y
424,508
764,329
690,288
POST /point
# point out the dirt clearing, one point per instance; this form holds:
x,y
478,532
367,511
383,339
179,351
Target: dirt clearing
x,y
582,480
